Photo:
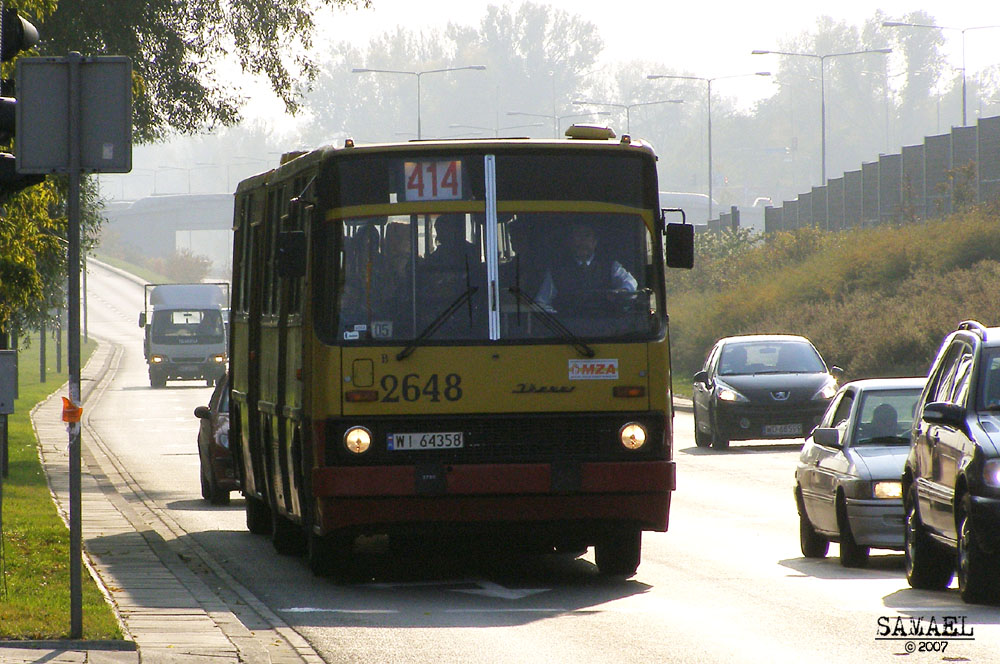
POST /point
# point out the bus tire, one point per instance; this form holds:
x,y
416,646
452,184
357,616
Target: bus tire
x,y
258,516
286,536
618,553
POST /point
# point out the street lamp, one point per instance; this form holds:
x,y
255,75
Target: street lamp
x,y
556,119
901,24
418,74
708,81
822,88
628,107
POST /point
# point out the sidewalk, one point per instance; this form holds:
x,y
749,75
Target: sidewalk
x,y
169,612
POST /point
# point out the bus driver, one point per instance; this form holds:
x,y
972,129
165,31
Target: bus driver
x,y
577,277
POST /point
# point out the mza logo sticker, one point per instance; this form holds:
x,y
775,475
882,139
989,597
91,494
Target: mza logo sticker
x,y
593,369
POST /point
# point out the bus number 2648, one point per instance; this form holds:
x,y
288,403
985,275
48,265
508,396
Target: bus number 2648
x,y
413,387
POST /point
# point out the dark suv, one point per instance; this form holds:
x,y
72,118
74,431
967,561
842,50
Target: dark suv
x,y
951,480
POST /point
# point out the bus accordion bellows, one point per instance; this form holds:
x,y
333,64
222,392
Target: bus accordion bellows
x,y
455,338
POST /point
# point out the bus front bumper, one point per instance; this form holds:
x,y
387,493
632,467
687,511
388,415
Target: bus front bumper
x,y
360,497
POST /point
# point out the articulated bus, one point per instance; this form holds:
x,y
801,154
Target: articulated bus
x,y
461,338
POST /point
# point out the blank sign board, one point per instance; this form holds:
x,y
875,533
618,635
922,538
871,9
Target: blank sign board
x,y
44,109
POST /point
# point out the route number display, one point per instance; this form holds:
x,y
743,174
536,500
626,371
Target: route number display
x,y
433,180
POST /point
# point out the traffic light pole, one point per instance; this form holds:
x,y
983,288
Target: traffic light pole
x,y
73,350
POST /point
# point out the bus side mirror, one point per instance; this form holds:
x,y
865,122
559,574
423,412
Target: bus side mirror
x,y
291,254
142,319
680,245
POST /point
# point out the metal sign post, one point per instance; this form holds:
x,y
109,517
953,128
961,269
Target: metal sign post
x,y
74,115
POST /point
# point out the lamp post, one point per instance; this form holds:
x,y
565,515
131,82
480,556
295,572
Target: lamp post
x,y
901,24
628,107
417,74
822,88
556,119
708,81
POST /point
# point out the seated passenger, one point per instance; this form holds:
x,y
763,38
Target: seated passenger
x,y
583,273
884,422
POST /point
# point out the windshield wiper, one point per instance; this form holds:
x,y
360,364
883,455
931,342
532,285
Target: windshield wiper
x,y
438,321
553,323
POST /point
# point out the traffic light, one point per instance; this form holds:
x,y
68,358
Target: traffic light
x,y
17,34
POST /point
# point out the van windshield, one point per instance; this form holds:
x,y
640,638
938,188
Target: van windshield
x,y
187,326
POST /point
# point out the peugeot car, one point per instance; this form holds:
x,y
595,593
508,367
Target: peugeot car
x,y
761,387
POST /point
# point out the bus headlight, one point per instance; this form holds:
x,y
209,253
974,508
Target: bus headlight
x,y
219,359
633,436
358,440
156,359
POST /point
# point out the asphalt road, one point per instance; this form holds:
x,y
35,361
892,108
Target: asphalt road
x,y
726,584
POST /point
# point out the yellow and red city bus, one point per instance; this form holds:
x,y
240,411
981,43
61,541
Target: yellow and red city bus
x,y
411,351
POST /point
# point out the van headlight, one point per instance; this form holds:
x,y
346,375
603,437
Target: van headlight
x,y
632,436
357,440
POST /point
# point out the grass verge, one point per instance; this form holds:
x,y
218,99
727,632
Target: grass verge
x,y
34,575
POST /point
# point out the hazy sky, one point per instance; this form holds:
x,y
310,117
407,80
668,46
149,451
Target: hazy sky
x,y
708,39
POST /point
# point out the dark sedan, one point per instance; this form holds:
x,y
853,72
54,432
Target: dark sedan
x,y
218,475
760,386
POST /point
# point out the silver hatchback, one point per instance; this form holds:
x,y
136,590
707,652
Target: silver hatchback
x,y
847,481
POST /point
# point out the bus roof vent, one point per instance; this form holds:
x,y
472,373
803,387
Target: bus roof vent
x,y
590,132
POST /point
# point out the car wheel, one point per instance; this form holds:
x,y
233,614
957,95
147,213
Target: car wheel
x,y
206,491
619,553
812,544
977,580
928,566
216,494
852,554
719,442
701,439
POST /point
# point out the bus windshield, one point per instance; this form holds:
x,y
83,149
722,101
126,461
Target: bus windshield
x,y
545,268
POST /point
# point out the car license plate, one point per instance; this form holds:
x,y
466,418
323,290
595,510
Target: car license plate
x,y
425,441
783,429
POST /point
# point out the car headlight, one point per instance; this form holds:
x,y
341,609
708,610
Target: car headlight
x,y
887,490
991,473
826,392
632,436
358,440
726,393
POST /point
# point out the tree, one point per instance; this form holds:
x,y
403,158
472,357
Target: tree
x,y
179,50
535,58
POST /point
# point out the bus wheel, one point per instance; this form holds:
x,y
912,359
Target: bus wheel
x,y
157,380
286,536
618,553
258,516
